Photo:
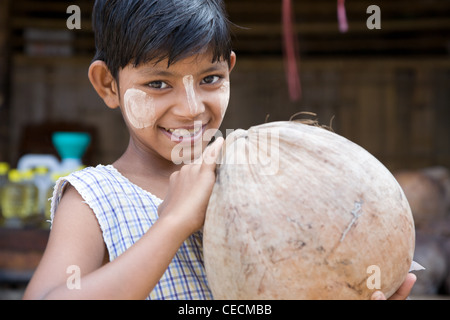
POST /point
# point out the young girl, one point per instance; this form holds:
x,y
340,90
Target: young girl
x,y
166,65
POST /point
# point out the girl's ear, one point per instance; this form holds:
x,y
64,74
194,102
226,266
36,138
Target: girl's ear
x,y
104,83
232,60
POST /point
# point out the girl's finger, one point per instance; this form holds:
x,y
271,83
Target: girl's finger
x,y
211,154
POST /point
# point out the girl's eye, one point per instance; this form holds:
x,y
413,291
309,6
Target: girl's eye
x,y
158,85
210,79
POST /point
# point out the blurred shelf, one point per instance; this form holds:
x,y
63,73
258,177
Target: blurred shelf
x,y
20,253
23,240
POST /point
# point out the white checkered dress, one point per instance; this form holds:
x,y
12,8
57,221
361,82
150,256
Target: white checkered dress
x,y
125,212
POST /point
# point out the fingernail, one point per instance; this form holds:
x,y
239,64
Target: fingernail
x,y
377,296
219,140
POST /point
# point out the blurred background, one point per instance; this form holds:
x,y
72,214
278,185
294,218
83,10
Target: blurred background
x,y
386,89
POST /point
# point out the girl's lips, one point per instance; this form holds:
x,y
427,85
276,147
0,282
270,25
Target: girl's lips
x,y
184,134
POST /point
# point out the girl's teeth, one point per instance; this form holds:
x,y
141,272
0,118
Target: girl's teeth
x,y
184,132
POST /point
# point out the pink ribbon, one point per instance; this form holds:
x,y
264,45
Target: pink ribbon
x,y
291,52
342,17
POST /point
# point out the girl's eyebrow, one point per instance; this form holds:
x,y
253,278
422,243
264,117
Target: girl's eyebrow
x,y
155,71
214,68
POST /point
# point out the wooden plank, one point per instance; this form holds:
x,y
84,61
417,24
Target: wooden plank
x,y
440,101
370,131
321,27
36,7
404,84
316,9
373,45
346,116
19,261
422,115
391,102
45,23
23,239
56,7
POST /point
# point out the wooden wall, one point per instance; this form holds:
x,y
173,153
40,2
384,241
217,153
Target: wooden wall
x,y
398,109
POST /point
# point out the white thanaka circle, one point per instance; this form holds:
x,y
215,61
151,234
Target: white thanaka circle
x,y
139,108
224,97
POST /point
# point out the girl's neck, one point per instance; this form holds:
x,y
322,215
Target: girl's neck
x,y
146,169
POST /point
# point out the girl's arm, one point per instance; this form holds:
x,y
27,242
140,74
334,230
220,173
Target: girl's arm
x,y
76,240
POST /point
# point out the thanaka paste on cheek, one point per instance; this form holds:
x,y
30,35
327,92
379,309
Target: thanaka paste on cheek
x,y
224,97
188,82
139,108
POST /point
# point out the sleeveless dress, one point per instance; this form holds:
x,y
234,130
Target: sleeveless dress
x,y
125,212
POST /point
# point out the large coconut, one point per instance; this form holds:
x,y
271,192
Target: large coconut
x,y
299,212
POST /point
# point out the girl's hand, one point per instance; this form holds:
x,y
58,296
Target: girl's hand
x,y
402,293
190,190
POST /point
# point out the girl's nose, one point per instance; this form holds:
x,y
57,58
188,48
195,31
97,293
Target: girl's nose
x,y
192,101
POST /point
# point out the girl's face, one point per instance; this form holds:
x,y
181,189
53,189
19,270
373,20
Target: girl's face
x,y
175,111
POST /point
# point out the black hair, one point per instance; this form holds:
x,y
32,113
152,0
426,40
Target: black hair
x,y
139,31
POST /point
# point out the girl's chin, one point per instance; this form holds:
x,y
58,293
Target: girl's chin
x,y
186,154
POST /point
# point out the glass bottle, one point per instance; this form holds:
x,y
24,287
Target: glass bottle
x,y
12,199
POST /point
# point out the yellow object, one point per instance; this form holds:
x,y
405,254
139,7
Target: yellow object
x,y
14,175
12,195
4,168
30,200
41,170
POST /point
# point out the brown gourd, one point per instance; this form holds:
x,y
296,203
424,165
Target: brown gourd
x,y
299,212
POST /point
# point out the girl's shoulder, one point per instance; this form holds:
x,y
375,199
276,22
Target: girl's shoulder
x,y
103,186
103,179
89,182
96,175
